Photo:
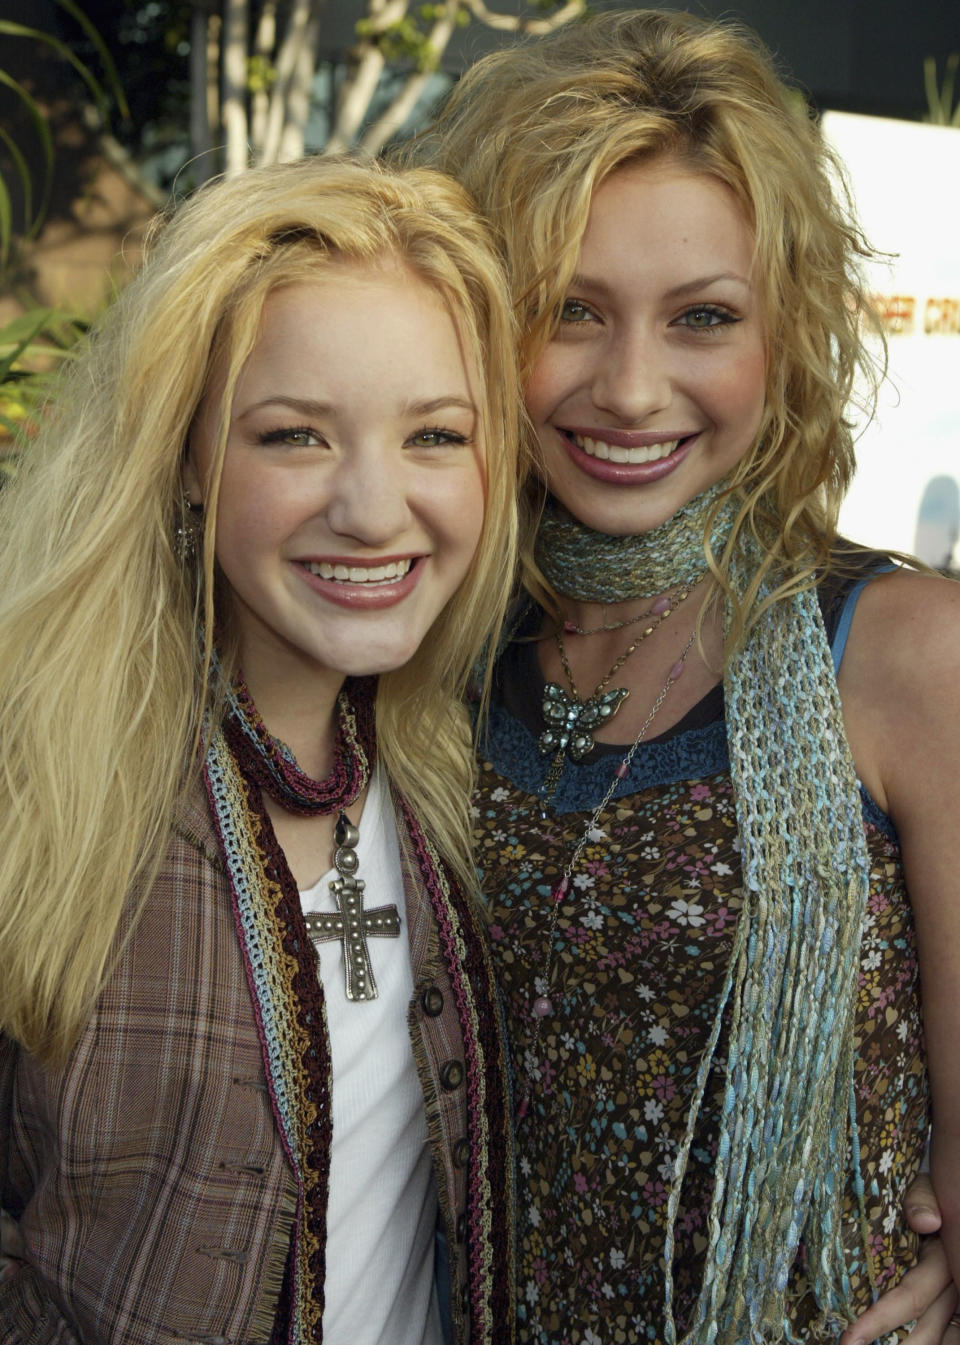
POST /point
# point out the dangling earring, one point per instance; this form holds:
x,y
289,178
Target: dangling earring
x,y
187,530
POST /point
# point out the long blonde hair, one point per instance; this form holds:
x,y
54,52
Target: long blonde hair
x,y
531,131
103,679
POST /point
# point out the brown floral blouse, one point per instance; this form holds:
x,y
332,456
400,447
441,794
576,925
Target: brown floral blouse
x,y
642,941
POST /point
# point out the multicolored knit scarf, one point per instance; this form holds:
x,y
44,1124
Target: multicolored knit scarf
x,y
787,1136
242,761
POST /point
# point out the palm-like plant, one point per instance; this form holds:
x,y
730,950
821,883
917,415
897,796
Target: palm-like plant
x,y
33,345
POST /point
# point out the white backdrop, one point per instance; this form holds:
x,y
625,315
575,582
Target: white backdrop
x,y
906,181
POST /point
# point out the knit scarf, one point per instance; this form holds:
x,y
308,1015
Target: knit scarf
x,y
242,762
787,1137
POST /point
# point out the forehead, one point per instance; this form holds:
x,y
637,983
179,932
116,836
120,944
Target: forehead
x,y
661,217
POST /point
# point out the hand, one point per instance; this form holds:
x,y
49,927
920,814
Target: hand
x,y
11,1247
926,1293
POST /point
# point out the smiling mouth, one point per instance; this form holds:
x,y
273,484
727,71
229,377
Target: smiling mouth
x,y
359,574
597,448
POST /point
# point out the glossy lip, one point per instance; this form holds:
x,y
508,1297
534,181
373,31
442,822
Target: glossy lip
x,y
625,473
361,597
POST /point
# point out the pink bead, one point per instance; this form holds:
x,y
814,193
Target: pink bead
x,y
523,1108
569,628
542,1006
622,771
563,887
660,606
676,670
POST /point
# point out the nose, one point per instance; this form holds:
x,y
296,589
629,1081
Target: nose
x,y
368,500
633,379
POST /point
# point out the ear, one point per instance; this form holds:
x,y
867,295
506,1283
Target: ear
x,y
191,480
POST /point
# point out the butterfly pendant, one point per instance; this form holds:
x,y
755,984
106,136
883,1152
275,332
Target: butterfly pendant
x,y
570,722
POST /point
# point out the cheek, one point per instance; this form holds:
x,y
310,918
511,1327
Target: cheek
x,y
550,379
740,395
457,508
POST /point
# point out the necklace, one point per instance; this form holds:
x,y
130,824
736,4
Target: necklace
x,y
542,1004
352,925
570,722
655,609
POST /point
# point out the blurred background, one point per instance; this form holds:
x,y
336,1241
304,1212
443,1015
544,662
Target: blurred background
x,y
110,108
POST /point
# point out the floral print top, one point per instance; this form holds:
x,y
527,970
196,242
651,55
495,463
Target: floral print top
x,y
642,941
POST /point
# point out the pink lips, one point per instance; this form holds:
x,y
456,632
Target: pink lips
x,y
367,597
625,473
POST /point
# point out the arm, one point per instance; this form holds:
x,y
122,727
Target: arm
x,y
900,686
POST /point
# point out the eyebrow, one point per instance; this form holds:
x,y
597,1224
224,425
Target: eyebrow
x,y
688,286
307,406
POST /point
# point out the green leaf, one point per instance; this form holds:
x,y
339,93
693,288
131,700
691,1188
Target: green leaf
x,y
23,171
6,222
103,50
19,334
63,51
39,123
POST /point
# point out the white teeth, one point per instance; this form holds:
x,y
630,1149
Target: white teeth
x,y
614,453
359,574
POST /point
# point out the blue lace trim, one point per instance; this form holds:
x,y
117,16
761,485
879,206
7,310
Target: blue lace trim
x,y
697,754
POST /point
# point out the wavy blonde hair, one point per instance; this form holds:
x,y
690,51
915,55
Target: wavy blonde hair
x,y
533,130
104,679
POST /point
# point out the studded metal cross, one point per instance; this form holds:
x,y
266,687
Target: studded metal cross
x,y
353,925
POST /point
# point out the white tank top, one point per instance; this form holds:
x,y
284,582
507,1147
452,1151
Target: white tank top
x,y
382,1208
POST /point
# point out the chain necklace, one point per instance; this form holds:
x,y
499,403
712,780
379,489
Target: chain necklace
x,y
542,1004
658,608
571,722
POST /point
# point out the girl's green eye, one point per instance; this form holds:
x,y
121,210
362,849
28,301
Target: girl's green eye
x,y
572,310
704,316
436,438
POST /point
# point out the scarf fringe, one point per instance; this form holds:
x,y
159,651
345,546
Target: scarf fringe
x,y
787,1138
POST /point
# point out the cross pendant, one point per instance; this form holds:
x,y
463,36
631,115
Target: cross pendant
x,y
353,925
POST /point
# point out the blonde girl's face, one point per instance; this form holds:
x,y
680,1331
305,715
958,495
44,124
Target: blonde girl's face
x,y
352,494
653,385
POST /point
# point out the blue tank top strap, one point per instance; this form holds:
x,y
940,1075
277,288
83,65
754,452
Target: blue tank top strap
x,y
841,634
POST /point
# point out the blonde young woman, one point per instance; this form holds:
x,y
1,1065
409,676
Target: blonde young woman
x,y
250,1061
723,744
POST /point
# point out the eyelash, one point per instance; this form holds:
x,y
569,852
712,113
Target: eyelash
x,y
443,436
286,433
723,315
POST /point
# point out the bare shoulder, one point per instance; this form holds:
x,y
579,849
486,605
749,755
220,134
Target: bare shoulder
x,y
900,681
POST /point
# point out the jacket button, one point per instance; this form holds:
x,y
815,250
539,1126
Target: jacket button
x,y
462,1228
461,1153
432,1001
451,1076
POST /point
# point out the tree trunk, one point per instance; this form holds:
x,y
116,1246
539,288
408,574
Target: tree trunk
x,y
391,121
263,47
234,99
201,140
288,58
298,95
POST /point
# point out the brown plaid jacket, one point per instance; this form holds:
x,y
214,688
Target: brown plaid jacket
x,y
147,1176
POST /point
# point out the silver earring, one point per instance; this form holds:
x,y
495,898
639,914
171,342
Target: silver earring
x,y
187,530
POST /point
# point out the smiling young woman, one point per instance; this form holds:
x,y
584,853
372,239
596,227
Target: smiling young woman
x,y
252,1087
719,781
